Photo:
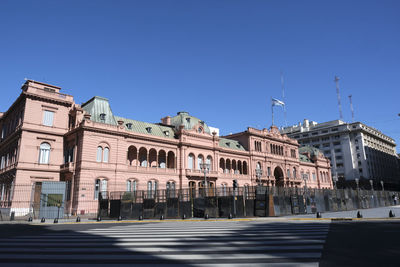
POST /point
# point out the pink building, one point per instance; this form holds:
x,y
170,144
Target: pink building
x,y
46,136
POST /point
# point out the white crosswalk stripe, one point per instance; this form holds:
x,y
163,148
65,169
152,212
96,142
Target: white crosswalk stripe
x,y
219,243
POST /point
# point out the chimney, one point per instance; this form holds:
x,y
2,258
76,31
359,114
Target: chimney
x,y
166,120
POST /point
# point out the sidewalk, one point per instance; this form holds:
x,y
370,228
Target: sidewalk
x,y
375,213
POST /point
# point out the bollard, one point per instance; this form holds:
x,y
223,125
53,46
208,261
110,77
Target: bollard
x,y
319,214
78,219
43,220
56,220
359,215
391,214
230,216
162,217
184,216
99,218
140,218
30,219
206,216
119,218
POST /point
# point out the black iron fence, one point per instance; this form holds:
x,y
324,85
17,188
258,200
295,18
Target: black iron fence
x,y
61,200
239,202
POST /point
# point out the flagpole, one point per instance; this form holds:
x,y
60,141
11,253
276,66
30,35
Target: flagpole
x,y
283,97
272,109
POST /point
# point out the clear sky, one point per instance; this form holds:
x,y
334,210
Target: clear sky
x,y
218,60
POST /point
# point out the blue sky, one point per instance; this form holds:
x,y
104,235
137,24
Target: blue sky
x,y
218,60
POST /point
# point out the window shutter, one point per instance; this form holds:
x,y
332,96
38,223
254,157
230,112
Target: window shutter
x,y
48,118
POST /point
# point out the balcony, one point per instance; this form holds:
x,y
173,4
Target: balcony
x,y
154,170
67,167
199,173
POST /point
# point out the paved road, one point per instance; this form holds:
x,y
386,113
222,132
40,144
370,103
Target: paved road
x,y
219,243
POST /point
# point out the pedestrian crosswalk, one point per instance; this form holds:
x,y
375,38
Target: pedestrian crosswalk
x,y
188,243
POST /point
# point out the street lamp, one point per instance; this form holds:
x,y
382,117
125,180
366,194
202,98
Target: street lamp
x,y
372,184
205,168
305,176
335,180
259,173
383,189
357,181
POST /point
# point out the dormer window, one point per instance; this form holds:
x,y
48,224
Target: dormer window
x,y
148,129
129,126
188,120
202,122
238,146
228,144
103,116
166,133
200,130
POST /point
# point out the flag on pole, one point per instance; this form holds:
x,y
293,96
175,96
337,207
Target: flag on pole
x,y
277,102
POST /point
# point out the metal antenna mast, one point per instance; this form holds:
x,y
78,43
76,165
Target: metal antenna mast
x,y
338,96
351,107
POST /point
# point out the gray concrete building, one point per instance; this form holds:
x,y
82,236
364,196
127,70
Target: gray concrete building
x,y
354,149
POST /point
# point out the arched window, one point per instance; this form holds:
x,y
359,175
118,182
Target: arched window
x,y
99,153
170,186
162,156
244,167
223,189
288,173
190,161
132,155
106,154
44,153
143,157
209,162
131,185
100,186
199,161
258,166
149,189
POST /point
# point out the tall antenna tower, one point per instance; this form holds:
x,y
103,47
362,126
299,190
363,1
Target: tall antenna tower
x,y
351,108
283,97
338,96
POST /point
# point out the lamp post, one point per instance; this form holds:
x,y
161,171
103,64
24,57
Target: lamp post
x,y
305,181
372,184
305,176
383,188
259,173
335,180
205,168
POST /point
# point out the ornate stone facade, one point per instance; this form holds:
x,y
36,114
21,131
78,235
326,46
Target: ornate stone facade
x,y
46,136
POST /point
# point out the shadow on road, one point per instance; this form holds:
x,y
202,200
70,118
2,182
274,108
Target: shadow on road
x,y
372,243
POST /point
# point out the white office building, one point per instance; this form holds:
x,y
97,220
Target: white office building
x,y
354,149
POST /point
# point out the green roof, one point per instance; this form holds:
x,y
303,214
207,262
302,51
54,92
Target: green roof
x,y
309,149
147,128
229,143
183,118
97,106
304,158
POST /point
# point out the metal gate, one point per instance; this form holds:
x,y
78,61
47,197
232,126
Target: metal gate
x,y
51,199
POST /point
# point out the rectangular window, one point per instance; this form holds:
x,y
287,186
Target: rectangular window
x,y
48,118
314,177
269,171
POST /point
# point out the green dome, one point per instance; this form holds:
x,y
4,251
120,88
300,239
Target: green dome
x,y
183,118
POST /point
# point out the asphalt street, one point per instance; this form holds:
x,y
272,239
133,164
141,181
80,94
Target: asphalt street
x,y
260,242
